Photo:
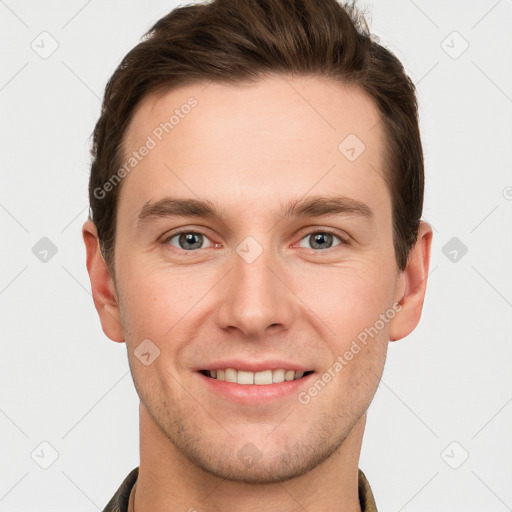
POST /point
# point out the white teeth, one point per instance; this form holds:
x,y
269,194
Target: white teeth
x,y
278,376
260,378
263,378
245,377
230,375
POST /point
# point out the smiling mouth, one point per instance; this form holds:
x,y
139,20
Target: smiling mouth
x,y
263,378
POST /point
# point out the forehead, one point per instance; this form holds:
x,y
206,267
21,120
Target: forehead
x,y
280,135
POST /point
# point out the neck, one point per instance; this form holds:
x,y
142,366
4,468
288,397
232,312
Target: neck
x,y
169,481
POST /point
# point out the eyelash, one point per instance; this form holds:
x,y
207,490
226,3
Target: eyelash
x,y
342,240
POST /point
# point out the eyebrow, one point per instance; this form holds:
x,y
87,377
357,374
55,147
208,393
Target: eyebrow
x,y
311,206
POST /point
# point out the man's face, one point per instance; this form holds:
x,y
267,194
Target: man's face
x,y
251,284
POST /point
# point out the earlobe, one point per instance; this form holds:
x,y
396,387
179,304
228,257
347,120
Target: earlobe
x,y
102,285
413,285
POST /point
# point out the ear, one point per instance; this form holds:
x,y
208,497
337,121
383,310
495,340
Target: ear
x,y
412,285
102,285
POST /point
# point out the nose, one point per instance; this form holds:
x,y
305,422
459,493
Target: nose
x,y
256,297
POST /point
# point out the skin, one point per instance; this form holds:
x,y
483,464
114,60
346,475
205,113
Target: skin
x,y
248,148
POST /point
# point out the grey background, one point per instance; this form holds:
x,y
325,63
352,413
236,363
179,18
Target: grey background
x,y
446,391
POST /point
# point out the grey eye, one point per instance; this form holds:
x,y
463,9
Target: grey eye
x,y
188,240
321,240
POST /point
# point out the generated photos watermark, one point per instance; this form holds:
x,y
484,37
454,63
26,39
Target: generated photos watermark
x,y
341,361
152,141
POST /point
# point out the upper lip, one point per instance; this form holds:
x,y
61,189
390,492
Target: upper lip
x,y
254,366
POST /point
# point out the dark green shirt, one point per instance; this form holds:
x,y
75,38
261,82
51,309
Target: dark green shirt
x,y
119,502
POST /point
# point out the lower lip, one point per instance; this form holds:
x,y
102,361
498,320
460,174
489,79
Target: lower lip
x,y
253,394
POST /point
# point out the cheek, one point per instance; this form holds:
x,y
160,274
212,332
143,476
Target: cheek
x,y
348,298
165,306
357,339
154,310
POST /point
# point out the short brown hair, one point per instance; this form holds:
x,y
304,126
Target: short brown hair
x,y
230,41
